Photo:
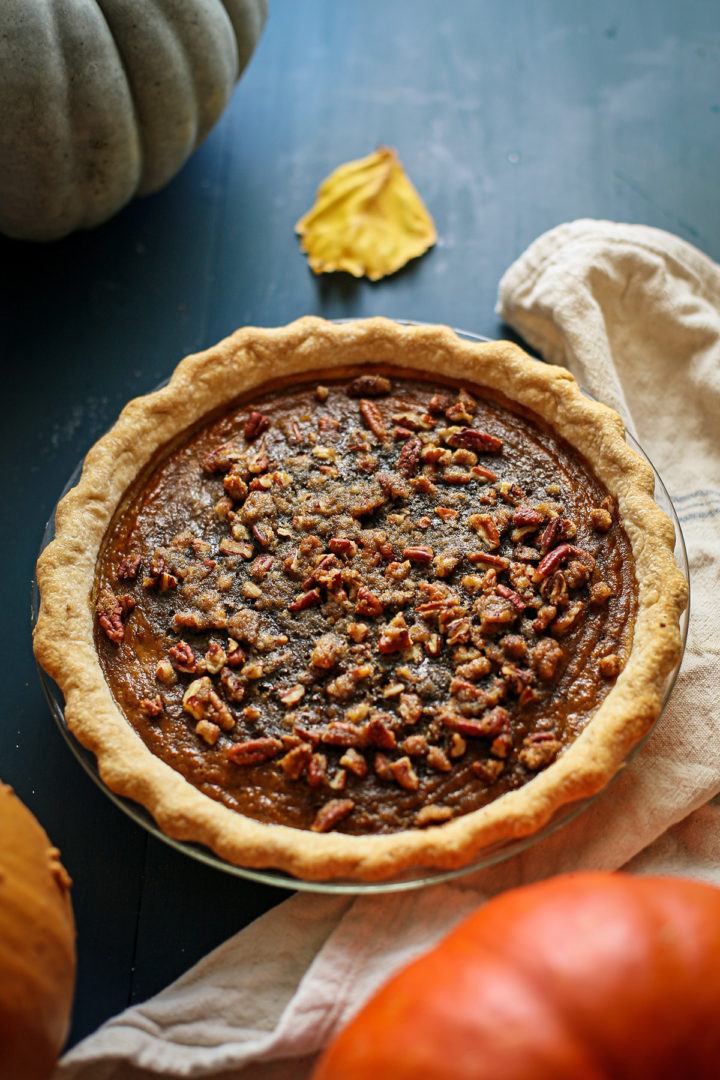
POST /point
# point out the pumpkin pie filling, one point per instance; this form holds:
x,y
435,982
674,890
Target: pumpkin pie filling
x,y
365,604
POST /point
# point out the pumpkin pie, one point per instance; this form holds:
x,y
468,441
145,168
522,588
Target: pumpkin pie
x,y
351,599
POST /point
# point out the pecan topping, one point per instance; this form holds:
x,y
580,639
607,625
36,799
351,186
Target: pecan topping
x,y
295,761
404,774
255,424
203,703
254,751
368,603
305,600
395,636
111,610
418,554
610,666
495,722
183,657
341,546
129,567
292,695
331,814
354,762
433,814
557,556
374,419
152,706
368,386
539,749
409,458
472,439
601,520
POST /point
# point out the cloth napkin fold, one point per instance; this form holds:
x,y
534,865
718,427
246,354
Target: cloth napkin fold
x,y
635,314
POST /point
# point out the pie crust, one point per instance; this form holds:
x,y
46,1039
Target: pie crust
x,y
207,383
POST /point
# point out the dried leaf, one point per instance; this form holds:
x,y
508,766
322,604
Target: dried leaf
x,y
367,219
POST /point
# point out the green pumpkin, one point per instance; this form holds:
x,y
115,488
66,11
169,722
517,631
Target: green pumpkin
x,y
102,100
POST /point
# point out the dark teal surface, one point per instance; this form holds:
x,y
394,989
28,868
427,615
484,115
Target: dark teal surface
x,y
510,117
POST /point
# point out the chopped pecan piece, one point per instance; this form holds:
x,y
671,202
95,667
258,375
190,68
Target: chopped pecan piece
x,y
235,485
152,706
374,419
379,733
395,636
340,545
208,731
329,650
472,439
236,547
510,594
254,751
354,762
489,559
546,656
409,458
600,593
331,814
368,603
368,386
474,669
404,774
165,673
433,814
527,515
554,558
183,658
414,745
600,520
488,769
444,565
305,600
410,708
341,733
316,770
495,722
203,703
610,666
569,618
539,749
381,765
438,403
292,695
437,759
459,413
255,424
222,457
234,687
418,554
261,565
111,610
128,568
393,485
295,761
485,526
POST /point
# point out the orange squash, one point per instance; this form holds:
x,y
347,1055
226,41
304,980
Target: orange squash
x,y
587,976
37,945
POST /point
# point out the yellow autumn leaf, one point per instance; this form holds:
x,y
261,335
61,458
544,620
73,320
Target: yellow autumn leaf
x,y
367,219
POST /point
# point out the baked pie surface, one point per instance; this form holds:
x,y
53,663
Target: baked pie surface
x,y
362,618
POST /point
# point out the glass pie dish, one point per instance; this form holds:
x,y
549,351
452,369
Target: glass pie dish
x,y
416,877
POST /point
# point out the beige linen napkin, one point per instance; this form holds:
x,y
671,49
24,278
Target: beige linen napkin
x,y
635,314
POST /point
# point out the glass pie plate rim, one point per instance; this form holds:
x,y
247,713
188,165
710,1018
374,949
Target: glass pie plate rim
x,y
417,877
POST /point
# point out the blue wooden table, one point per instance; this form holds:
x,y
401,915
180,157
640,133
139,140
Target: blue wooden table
x,y
510,118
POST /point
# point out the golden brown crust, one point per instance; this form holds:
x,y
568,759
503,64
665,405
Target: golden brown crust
x,y
251,357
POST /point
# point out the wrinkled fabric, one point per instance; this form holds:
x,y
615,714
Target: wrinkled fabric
x,y
635,314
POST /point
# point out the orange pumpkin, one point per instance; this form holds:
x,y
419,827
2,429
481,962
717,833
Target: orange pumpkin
x,y
587,976
37,945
